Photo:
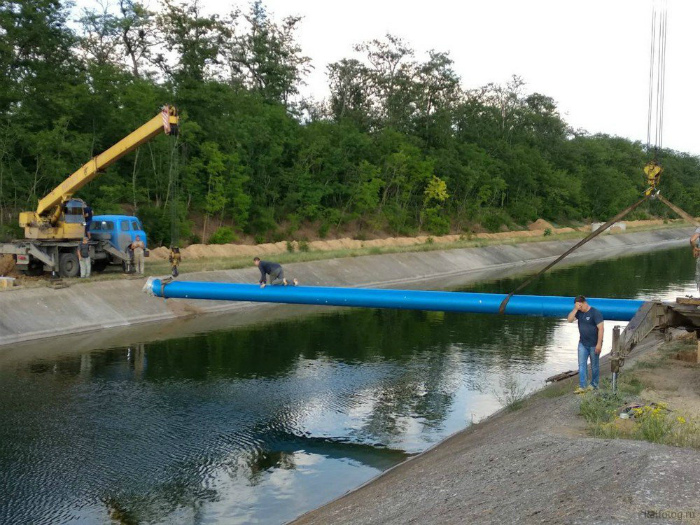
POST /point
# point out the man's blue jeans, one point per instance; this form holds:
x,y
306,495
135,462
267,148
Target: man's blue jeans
x,y
584,352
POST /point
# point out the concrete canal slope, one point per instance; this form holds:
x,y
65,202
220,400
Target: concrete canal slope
x,y
533,465
29,314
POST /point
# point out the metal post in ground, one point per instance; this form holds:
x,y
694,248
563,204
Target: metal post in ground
x,y
615,357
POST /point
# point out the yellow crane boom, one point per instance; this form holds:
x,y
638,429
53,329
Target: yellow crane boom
x,y
45,222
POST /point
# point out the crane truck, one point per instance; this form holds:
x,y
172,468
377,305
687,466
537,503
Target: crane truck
x,y
54,230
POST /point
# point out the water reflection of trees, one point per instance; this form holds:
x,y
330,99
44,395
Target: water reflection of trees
x,y
619,278
423,350
419,352
352,337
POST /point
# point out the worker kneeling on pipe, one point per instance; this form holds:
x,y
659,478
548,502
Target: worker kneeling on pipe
x,y
274,270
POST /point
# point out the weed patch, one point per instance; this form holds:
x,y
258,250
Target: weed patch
x,y
651,422
512,394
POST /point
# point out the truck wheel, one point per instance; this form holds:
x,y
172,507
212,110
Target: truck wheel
x,y
100,266
68,265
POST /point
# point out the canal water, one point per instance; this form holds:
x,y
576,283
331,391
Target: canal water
x,y
262,423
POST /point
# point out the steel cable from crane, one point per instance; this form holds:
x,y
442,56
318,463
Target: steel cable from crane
x,y
652,54
657,93
173,178
657,76
684,215
590,236
655,119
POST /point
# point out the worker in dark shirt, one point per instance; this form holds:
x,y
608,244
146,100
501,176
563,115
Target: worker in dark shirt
x,y
274,270
87,215
590,328
84,258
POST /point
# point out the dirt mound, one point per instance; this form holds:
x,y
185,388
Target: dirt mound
x,y
7,266
539,224
332,245
200,251
648,222
195,251
319,246
447,238
160,253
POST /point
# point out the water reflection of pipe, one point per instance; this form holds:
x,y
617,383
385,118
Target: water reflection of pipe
x,y
540,306
279,446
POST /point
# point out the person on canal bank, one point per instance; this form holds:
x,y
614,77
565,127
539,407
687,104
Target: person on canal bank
x,y
590,328
175,259
87,215
274,270
84,258
139,247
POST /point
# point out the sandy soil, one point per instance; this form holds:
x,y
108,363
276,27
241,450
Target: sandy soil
x,y
534,465
674,380
539,224
7,265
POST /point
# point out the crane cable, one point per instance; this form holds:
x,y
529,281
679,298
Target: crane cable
x,y
657,91
655,118
173,177
657,75
592,235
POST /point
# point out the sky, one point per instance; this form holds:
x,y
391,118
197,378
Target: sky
x,y
591,56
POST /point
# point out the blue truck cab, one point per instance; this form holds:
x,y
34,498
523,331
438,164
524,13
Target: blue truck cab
x,y
119,230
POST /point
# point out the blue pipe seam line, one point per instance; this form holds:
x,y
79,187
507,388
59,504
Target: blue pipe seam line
x,y
484,303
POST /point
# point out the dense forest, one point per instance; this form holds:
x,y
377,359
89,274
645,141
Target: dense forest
x,y
399,145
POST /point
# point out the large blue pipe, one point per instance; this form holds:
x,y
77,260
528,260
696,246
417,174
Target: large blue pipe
x,y
485,303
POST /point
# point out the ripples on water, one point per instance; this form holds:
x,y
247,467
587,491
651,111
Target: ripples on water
x,y
261,424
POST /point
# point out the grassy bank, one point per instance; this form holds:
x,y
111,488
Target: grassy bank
x,y
658,398
664,385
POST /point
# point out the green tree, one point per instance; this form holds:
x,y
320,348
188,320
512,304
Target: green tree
x,y
194,37
397,146
263,55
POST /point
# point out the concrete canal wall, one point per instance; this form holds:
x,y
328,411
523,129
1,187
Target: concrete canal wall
x,y
35,313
